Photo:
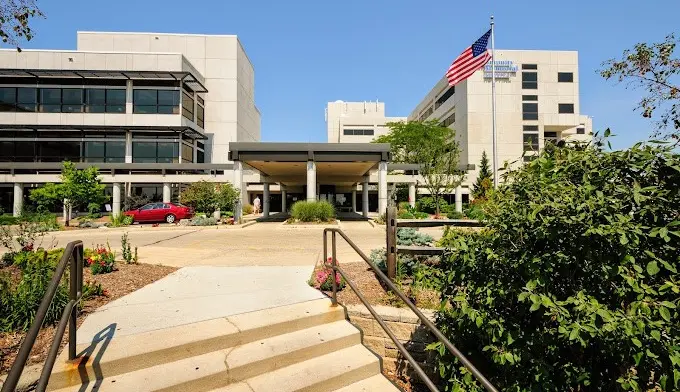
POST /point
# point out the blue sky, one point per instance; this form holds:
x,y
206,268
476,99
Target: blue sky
x,y
309,52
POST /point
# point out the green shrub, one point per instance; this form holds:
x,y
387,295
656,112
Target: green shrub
x,y
316,211
210,196
406,263
404,214
25,259
101,260
247,209
7,259
8,220
455,215
421,215
203,221
121,220
575,284
427,205
475,210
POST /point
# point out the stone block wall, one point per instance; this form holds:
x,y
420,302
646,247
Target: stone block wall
x,y
406,327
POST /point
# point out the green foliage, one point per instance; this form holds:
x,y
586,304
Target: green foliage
x,y
82,188
247,209
316,211
8,220
574,285
51,257
484,182
19,302
405,263
428,205
93,289
15,15
126,250
433,147
209,196
121,220
475,210
654,69
455,215
101,260
203,221
47,196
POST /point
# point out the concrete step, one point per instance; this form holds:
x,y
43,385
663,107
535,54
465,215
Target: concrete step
x,y
224,367
371,384
109,357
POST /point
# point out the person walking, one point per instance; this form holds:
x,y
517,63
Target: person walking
x,y
256,204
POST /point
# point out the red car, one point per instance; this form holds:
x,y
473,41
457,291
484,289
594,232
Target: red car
x,y
159,212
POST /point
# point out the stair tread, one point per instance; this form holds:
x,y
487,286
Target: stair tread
x,y
375,383
140,351
225,366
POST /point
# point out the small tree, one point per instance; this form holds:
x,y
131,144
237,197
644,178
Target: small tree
x,y
226,196
654,69
431,146
208,197
14,17
484,179
79,188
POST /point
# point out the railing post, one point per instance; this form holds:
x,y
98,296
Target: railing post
x,y
391,228
334,264
73,296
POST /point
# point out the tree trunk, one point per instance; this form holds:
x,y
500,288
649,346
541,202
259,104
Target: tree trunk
x,y
436,206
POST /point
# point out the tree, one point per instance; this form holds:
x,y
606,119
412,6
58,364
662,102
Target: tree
x,y
208,197
14,17
79,188
484,179
431,146
654,69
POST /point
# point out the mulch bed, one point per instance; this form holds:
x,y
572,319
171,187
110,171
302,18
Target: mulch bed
x,y
124,280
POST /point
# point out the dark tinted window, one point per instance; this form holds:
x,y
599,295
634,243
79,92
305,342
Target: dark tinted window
x,y
529,66
530,128
530,111
529,97
530,80
8,99
444,97
187,106
566,108
580,131
565,77
530,142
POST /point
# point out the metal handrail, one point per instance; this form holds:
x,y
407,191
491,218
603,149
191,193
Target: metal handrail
x,y
73,255
424,320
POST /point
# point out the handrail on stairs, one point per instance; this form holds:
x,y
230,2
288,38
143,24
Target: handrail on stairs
x,y
424,320
73,256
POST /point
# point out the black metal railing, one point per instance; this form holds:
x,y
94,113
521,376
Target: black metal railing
x,y
73,256
424,320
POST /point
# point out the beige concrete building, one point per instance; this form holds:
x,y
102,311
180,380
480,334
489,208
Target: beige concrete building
x,y
537,98
357,122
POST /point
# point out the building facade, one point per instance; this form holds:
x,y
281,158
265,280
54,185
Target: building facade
x,y
153,111
537,102
357,122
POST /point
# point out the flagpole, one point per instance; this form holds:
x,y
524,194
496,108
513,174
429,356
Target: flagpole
x,y
493,105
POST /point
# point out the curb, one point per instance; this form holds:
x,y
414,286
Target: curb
x,y
250,223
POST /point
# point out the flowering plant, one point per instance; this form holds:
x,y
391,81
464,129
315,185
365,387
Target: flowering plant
x,y
322,278
101,260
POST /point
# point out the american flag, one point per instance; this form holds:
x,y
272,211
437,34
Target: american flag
x,y
472,59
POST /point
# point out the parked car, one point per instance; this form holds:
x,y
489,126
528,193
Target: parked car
x,y
159,212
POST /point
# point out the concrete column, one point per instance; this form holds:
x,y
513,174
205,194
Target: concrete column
x,y
18,198
364,197
166,192
128,97
283,198
382,187
265,199
179,151
354,199
128,146
238,183
116,199
412,194
459,199
311,181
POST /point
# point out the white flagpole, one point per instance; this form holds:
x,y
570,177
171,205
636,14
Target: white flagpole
x,y
493,106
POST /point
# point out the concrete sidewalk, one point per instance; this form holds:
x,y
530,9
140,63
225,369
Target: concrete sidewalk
x,y
194,294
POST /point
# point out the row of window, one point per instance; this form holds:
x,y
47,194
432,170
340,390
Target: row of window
x,y
358,132
445,97
530,109
448,120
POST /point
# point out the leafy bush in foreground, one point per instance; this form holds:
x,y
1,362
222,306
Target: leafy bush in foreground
x,y
574,285
316,211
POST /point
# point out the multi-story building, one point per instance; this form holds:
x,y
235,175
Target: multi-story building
x,y
150,110
537,101
357,122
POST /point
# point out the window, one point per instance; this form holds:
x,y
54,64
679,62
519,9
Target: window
x,y
200,100
529,111
426,113
529,66
200,145
449,120
58,151
550,137
531,142
27,99
113,152
530,128
8,99
50,100
529,158
17,151
444,97
187,106
200,156
187,153
148,101
530,80
565,108
358,132
565,77
529,97
72,100
155,152
147,207
200,114
580,131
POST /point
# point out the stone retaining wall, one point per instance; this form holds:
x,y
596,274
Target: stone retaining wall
x,y
406,327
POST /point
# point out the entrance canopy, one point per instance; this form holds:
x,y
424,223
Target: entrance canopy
x,y
333,163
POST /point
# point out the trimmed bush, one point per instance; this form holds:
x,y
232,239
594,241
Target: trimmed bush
x,y
317,211
248,209
8,220
574,286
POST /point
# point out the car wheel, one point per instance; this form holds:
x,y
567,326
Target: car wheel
x,y
170,218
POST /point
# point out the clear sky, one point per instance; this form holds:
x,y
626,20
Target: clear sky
x,y
309,52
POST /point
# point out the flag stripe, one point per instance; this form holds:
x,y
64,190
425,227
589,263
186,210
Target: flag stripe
x,y
473,58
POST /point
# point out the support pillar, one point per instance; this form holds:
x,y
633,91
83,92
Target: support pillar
x,y
364,197
459,199
116,199
238,183
382,187
18,199
128,144
311,181
283,198
412,195
265,199
166,192
354,199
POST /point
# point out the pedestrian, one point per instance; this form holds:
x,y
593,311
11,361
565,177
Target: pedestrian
x,y
256,204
